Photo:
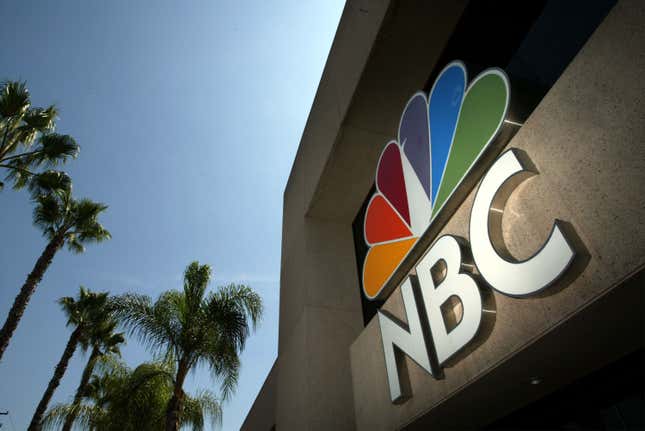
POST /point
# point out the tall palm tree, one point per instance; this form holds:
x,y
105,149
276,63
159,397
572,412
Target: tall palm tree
x,y
81,314
63,220
104,342
121,399
194,328
20,126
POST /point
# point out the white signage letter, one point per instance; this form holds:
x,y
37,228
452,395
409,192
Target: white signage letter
x,y
455,283
411,342
505,274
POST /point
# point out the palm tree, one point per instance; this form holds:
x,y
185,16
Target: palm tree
x,y
81,314
194,328
121,399
51,150
104,342
21,126
63,220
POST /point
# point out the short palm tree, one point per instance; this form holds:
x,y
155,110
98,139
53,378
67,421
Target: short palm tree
x,y
63,220
121,399
104,342
194,328
81,314
20,126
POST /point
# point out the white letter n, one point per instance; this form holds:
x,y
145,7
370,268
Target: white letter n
x,y
398,340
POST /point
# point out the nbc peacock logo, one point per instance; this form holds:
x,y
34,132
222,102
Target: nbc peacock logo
x,y
440,137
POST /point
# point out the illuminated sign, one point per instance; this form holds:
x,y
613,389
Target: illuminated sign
x,y
441,137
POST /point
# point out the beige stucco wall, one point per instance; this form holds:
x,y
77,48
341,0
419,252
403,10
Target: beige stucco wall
x,y
261,415
320,308
587,140
318,316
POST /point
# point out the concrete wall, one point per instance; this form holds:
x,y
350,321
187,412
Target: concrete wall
x,y
319,317
586,139
320,308
261,416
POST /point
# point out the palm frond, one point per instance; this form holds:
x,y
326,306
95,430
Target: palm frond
x,y
14,99
94,233
55,148
50,182
83,309
86,416
41,119
170,310
150,324
230,309
74,244
112,344
68,304
244,299
148,371
196,408
84,215
111,365
57,212
102,333
20,135
18,171
19,123
225,368
196,279
48,213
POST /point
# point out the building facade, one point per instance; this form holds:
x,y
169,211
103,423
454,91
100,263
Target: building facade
x,y
553,345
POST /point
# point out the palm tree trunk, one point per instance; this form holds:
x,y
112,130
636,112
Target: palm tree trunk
x,y
80,391
176,403
36,420
20,303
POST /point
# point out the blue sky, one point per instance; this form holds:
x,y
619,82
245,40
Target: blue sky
x,y
189,115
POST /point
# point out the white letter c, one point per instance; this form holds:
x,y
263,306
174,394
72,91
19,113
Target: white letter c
x,y
505,274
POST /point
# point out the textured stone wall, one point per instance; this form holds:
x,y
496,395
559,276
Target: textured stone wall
x,y
587,140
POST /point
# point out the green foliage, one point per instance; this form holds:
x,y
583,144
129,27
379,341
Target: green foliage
x,y
52,149
14,99
58,213
187,327
22,126
122,399
195,327
86,312
50,182
91,312
104,338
